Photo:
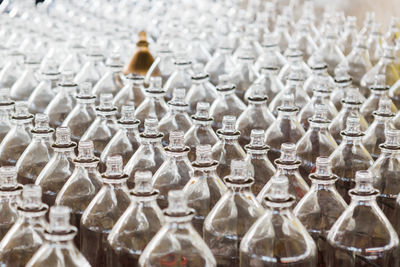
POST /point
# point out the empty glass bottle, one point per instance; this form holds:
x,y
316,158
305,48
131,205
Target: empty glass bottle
x,y
94,68
180,78
6,110
303,37
295,64
386,170
103,212
271,56
83,114
227,148
232,216
375,43
154,105
137,225
164,62
63,103
10,198
177,243
59,247
255,116
133,91
175,171
104,127
319,75
82,186
201,132
343,82
349,36
269,81
286,128
38,152
28,80
282,33
150,154
59,168
278,238
363,236
25,237
19,136
319,209
350,156
227,103
177,118
221,63
12,68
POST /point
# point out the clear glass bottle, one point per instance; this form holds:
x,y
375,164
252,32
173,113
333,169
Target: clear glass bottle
x,y
154,105
282,33
103,212
126,140
278,238
221,63
350,156
228,147
201,132
271,56
180,78
28,80
177,243
10,198
255,116
137,225
363,236
386,170
94,68
6,110
104,127
227,102
59,168
63,103
82,186
133,91
83,114
375,43
285,129
177,118
319,75
150,154
269,81
343,82
375,134
42,95
175,171
59,246
164,61
12,68
38,152
351,107
260,167
303,37
348,38
19,136
232,216
295,63
25,237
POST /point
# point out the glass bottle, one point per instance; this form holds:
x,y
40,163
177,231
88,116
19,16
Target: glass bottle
x,y
59,247
386,170
163,63
150,154
348,38
154,105
271,56
319,75
133,91
94,68
260,167
375,43
137,225
126,140
6,110
142,59
201,132
221,63
351,107
82,186
278,238
177,118
103,212
175,171
295,63
83,114
302,36
42,95
282,33
28,80
19,136
180,78
202,90
63,103
393,32
38,152
12,68
286,128
287,165
25,237
343,82
375,134
177,243
232,216
104,127
10,198
227,148
59,168
255,116
269,81
350,156
363,236
227,102
319,209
